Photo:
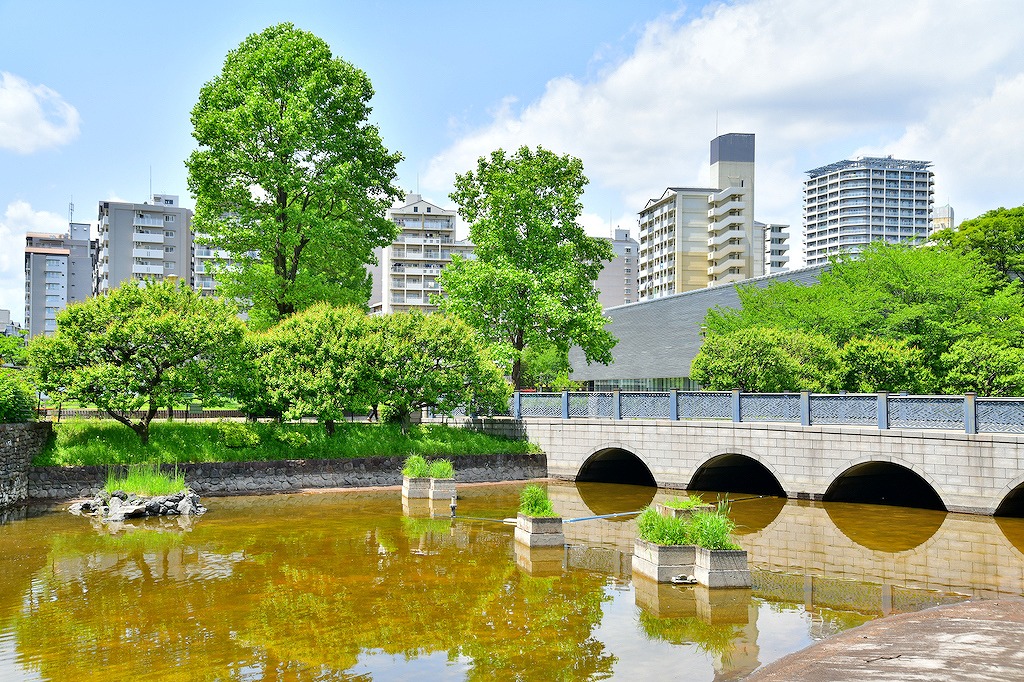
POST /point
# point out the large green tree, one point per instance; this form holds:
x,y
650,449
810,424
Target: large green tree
x,y
290,178
532,279
996,236
137,348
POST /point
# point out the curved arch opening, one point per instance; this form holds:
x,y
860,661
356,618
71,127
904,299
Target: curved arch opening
x,y
615,465
1013,503
883,483
736,474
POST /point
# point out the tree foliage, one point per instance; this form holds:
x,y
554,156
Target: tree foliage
x,y
914,304
984,365
16,399
13,350
289,177
767,360
531,282
137,348
996,236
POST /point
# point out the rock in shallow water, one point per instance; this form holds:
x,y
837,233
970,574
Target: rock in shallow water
x,y
119,506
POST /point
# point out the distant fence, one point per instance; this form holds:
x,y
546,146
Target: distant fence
x,y
967,413
53,414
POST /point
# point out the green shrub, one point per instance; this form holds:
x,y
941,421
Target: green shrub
x,y
442,468
712,530
238,435
691,501
388,414
295,439
147,480
662,530
16,401
416,467
533,501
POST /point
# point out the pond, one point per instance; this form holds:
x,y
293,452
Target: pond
x,y
351,585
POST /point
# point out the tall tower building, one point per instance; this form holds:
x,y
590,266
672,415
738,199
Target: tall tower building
x,y
406,272
850,203
776,247
140,241
58,271
617,282
694,237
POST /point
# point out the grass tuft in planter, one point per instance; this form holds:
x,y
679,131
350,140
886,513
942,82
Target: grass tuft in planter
x,y
712,530
441,468
533,501
662,530
691,501
416,466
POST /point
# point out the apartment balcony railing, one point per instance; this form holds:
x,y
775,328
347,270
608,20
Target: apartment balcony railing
x,y
147,222
723,266
725,208
148,237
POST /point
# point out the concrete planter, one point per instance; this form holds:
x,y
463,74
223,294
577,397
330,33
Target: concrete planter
x,y
442,488
413,488
672,512
661,563
722,568
539,531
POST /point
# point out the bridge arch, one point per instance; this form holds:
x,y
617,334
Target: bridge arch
x,y
734,472
1011,499
615,463
884,481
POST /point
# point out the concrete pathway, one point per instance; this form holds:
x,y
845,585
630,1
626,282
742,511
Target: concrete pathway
x,y
973,641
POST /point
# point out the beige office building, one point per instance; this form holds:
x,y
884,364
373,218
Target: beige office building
x,y
695,237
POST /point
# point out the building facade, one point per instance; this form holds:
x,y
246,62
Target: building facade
x,y
943,218
617,283
406,273
144,241
850,203
695,237
776,246
58,270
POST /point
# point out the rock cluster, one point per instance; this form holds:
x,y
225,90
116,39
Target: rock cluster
x,y
119,505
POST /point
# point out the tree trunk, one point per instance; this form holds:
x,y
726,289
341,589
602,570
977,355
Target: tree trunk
x,y
329,426
142,429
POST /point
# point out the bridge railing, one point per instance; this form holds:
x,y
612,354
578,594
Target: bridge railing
x,y
966,413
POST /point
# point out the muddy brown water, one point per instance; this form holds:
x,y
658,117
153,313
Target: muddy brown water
x,y
352,586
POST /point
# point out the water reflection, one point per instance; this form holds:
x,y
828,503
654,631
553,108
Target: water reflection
x,y
318,587
885,529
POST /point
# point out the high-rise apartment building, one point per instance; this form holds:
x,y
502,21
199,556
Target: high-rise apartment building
x,y
694,237
776,247
140,241
406,272
617,282
58,270
850,203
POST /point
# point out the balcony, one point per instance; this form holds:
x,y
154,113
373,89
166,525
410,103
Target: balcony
x,y
139,269
724,209
719,197
147,253
138,221
725,224
148,237
724,250
724,265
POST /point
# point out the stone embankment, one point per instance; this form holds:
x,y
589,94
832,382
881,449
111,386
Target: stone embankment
x,y
232,478
19,444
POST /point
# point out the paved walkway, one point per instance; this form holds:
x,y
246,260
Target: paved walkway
x,y
968,642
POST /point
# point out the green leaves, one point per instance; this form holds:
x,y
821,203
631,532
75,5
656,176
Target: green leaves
x,y
532,279
290,178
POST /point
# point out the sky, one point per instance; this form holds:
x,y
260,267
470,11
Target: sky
x,y
95,98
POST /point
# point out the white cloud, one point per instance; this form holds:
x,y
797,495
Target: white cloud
x,y
33,117
816,82
18,219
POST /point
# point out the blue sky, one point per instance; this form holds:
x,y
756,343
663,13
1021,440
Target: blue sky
x,y
95,98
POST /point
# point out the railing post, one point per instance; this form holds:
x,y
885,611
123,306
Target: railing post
x,y
805,408
736,416
883,410
565,404
971,412
673,405
616,404
517,405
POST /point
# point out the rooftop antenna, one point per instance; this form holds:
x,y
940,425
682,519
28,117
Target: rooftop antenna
x,y
151,181
716,122
71,210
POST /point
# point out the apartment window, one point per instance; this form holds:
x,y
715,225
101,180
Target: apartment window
x,y
627,270
51,286
169,202
428,209
168,249
169,265
168,218
52,298
415,209
169,233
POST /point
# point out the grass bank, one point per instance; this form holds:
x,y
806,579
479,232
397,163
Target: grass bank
x,y
101,442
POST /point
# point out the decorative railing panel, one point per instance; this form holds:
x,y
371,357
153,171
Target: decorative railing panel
x,y
926,412
644,405
541,404
770,407
860,410
1001,415
698,405
591,405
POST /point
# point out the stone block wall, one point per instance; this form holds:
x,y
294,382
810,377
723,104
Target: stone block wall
x,y
226,478
19,444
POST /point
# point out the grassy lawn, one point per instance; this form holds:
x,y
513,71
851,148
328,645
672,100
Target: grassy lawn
x,y
105,442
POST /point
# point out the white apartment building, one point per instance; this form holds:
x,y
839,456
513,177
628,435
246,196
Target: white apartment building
x,y
776,246
695,237
58,271
617,283
140,241
406,272
850,203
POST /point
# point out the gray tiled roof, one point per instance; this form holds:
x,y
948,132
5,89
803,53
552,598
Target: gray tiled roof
x,y
659,338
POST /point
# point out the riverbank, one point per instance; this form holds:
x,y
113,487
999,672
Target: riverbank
x,y
975,641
